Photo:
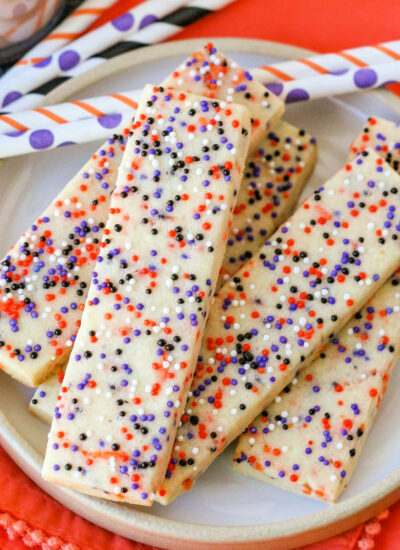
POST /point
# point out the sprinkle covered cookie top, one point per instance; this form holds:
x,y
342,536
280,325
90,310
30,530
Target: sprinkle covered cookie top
x,y
45,277
213,74
274,177
309,278
383,137
132,362
309,440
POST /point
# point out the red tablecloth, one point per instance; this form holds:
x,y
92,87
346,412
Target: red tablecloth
x,y
30,518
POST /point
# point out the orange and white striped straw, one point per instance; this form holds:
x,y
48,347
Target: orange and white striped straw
x,y
59,135
318,76
160,29
68,30
82,121
85,46
337,83
329,63
72,111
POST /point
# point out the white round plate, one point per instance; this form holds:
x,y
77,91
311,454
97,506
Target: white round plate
x,y
224,509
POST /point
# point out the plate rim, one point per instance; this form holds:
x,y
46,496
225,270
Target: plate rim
x,y
143,526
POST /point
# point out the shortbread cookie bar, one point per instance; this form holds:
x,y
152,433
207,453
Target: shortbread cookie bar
x,y
46,274
271,318
274,177
130,371
211,73
383,136
309,440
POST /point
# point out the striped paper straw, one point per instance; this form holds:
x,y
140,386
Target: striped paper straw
x,y
157,32
301,90
352,80
87,45
69,29
69,112
329,63
71,133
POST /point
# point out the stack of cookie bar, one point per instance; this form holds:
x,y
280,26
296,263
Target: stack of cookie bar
x,y
169,299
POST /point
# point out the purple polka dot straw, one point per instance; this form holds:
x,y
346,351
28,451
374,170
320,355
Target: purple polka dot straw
x,y
341,82
71,55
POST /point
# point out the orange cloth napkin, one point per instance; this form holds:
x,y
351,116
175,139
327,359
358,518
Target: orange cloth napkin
x,y
29,518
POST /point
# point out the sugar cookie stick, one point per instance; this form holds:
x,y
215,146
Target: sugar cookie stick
x,y
309,440
129,374
211,73
359,360
45,275
272,317
273,179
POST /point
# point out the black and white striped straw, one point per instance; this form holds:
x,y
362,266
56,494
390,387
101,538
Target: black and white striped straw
x,y
156,32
